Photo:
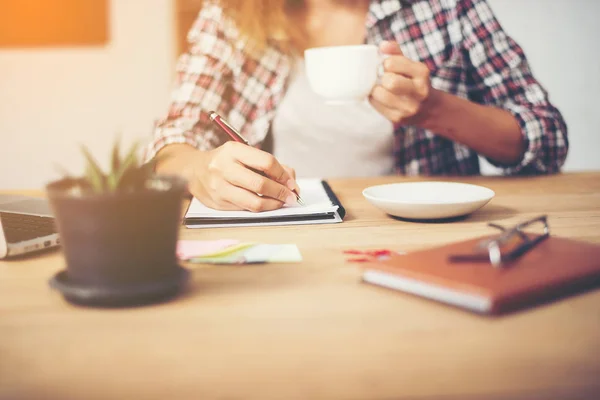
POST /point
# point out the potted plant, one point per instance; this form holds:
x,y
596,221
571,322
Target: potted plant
x,y
119,232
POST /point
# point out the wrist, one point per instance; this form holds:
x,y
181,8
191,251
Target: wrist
x,y
180,160
186,162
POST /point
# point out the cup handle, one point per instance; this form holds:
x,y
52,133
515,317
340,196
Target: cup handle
x,y
380,70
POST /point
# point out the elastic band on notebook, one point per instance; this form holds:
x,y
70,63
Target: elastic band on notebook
x,y
334,199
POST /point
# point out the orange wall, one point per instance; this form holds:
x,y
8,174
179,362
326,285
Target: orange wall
x,y
41,23
53,99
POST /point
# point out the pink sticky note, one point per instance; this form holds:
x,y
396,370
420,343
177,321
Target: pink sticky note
x,y
187,249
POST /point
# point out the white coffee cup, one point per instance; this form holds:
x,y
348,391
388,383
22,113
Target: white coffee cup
x,y
342,74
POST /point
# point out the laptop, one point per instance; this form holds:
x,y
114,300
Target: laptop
x,y
26,225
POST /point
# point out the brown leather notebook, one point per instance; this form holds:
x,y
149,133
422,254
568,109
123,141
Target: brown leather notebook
x,y
553,268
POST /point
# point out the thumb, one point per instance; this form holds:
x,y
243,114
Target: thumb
x,y
291,172
390,47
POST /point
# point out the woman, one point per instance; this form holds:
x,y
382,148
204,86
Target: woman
x,y
454,87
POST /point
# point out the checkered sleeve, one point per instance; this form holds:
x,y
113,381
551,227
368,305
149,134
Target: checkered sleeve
x,y
499,75
202,73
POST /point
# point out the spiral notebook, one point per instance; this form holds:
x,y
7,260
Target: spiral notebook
x,y
321,207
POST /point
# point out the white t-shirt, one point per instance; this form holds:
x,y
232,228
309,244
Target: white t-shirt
x,y
321,140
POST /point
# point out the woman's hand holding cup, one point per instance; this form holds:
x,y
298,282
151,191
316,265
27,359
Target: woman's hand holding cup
x,y
403,93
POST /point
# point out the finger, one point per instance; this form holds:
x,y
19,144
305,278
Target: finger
x,y
211,197
396,108
292,173
385,97
391,114
398,84
390,47
220,204
240,176
407,105
404,66
246,200
261,161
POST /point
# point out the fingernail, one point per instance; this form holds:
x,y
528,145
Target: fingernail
x,y
291,200
291,184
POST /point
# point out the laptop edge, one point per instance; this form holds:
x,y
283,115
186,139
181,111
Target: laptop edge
x,y
25,205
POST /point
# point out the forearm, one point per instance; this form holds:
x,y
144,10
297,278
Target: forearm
x,y
490,131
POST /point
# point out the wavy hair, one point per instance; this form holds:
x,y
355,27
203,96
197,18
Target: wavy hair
x,y
264,21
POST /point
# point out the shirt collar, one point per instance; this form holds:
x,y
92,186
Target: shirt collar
x,y
380,9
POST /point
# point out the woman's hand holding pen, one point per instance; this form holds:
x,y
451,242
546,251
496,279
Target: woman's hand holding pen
x,y
404,94
231,176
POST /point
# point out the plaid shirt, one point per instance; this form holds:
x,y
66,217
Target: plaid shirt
x,y
460,41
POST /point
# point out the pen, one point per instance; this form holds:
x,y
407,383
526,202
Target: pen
x,y
236,136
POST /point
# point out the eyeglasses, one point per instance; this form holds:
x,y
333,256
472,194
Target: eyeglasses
x,y
510,244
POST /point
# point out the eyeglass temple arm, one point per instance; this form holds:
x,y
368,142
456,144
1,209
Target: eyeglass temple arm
x,y
517,229
506,235
493,225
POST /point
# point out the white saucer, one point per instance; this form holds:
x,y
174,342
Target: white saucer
x,y
428,200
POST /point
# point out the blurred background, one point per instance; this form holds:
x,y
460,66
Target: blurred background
x,y
107,68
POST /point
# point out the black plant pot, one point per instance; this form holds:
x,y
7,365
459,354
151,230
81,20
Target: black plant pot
x,y
119,247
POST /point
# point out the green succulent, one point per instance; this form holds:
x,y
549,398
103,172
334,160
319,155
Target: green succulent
x,y
127,172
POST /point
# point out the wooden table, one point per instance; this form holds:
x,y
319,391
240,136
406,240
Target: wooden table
x,y
312,330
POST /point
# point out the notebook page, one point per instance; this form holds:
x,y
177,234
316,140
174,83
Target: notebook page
x,y
311,190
